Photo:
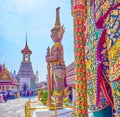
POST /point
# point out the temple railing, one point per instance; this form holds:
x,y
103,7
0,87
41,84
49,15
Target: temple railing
x,y
28,109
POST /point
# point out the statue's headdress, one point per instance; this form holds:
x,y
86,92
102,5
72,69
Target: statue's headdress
x,y
58,30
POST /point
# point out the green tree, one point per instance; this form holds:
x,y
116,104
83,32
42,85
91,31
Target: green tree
x,y
44,97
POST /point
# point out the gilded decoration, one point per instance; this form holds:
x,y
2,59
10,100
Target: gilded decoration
x,y
102,54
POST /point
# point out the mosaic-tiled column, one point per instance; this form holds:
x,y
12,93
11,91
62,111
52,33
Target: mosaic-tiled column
x,y
79,16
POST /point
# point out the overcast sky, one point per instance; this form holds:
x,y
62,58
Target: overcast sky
x,y
37,17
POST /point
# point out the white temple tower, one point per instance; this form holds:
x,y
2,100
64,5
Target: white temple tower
x,y
25,75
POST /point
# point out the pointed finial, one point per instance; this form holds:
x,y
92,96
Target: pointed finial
x,y
57,23
48,50
26,48
36,72
4,65
26,37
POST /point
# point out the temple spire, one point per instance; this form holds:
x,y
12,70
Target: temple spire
x,y
57,23
26,38
26,49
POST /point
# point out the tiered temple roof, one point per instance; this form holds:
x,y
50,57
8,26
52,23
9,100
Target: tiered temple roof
x,y
6,77
26,70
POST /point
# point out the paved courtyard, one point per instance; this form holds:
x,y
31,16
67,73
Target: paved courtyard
x,y
16,107
13,108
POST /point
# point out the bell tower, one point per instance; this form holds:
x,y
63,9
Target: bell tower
x,y
25,75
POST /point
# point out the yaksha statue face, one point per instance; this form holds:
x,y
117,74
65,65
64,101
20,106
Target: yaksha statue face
x,y
58,30
57,33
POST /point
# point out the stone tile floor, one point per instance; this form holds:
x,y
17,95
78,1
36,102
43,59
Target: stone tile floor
x,y
13,108
16,108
